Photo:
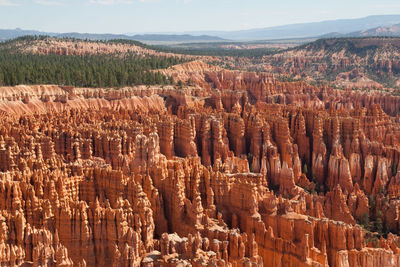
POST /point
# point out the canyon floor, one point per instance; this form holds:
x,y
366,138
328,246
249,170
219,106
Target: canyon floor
x,y
229,168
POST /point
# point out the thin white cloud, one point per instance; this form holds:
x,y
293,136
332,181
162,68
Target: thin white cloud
x,y
8,3
110,2
49,2
184,1
113,2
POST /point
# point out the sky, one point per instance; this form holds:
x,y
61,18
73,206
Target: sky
x,y
144,16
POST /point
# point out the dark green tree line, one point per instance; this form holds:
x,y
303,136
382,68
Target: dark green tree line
x,y
85,71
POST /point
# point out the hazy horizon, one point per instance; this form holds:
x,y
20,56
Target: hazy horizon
x,y
193,31
176,16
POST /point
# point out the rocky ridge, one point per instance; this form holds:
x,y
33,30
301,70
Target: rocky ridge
x,y
371,62
68,47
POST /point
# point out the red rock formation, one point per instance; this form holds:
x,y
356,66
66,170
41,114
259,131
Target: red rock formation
x,y
258,173
352,59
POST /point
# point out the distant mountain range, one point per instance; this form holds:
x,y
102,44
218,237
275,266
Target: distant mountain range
x,y
388,31
14,33
148,38
308,30
382,25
